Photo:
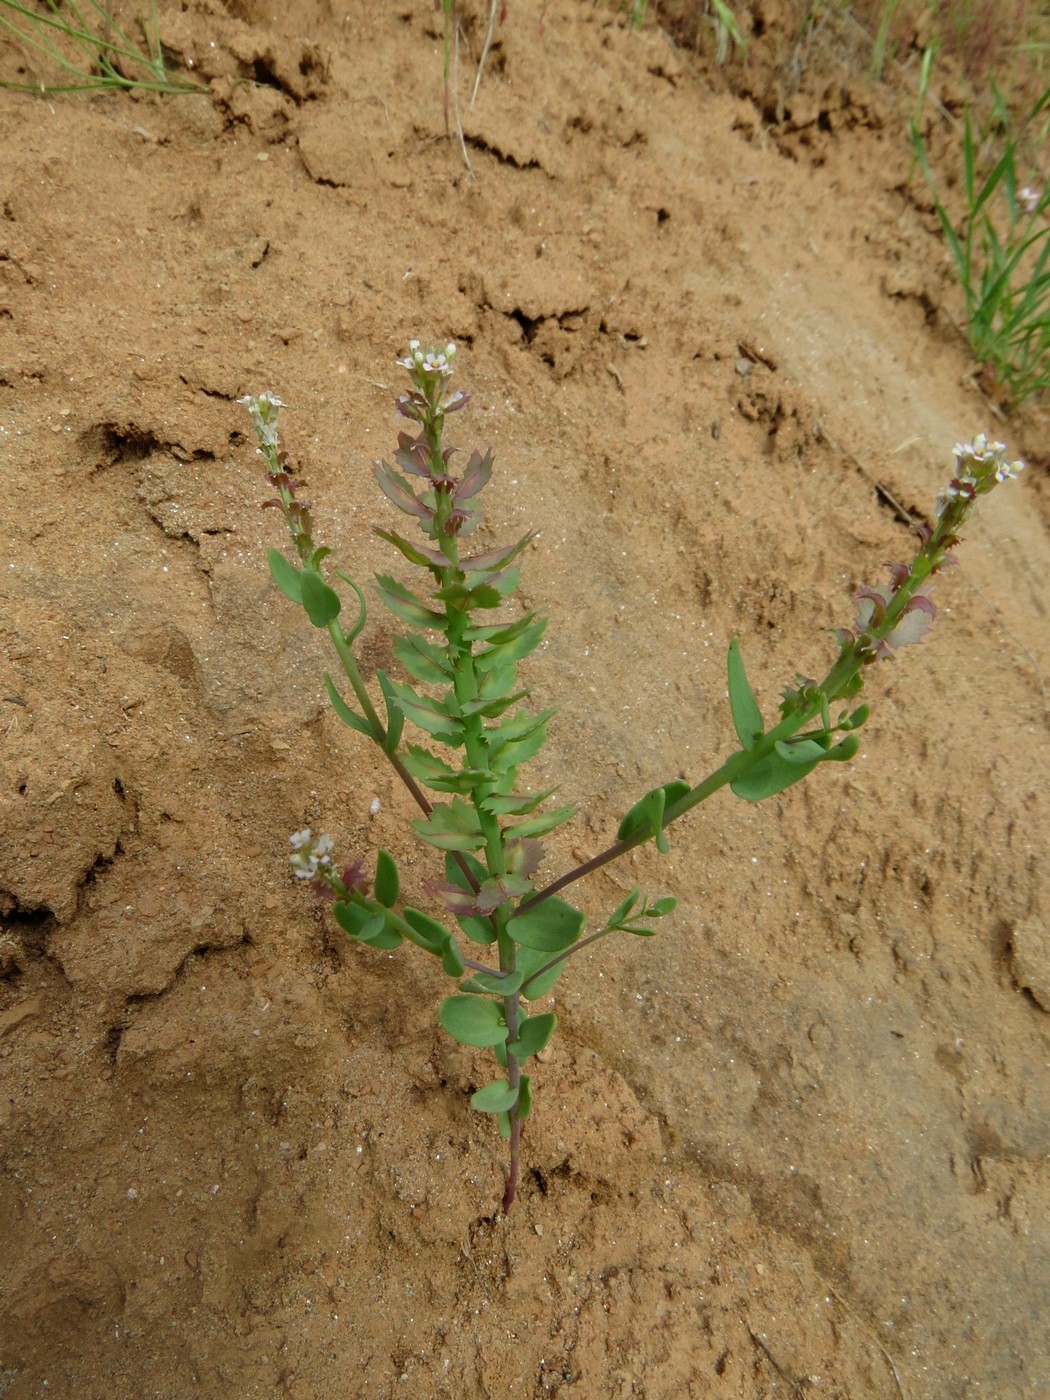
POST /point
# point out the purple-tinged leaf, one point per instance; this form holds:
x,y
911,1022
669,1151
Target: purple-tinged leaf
x,y
411,455
397,491
524,855
914,622
476,476
458,902
415,553
495,558
404,604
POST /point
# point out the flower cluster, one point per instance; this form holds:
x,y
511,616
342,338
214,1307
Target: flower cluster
x,y
429,361
981,465
1029,199
313,856
430,370
899,613
312,860
263,411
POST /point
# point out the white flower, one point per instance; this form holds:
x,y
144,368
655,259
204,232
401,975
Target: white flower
x,y
1029,199
982,465
1006,471
313,858
263,410
432,361
979,451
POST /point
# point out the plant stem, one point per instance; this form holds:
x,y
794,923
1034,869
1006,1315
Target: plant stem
x,y
353,675
512,1015
561,957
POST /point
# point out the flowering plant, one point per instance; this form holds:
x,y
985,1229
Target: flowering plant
x,y
460,652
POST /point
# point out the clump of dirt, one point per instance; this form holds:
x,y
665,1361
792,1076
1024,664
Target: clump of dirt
x,y
798,1143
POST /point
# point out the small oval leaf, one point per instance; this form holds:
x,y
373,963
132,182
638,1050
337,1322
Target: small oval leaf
x,y
551,927
497,1097
387,881
533,1034
451,960
472,1021
321,602
431,933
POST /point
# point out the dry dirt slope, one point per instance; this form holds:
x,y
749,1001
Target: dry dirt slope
x,y
796,1142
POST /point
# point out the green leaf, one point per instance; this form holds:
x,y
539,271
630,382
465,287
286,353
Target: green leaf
x,y
499,632
427,714
387,882
451,826
492,560
494,986
404,604
286,576
650,813
769,776
366,926
861,713
624,908
520,727
498,682
551,927
423,660
657,910
415,554
351,917
781,770
533,1034
747,717
321,602
438,774
451,960
804,750
509,652
473,1022
433,934
509,756
379,934
373,926
497,1097
480,589
397,489
492,708
395,716
515,804
538,826
524,1097
530,960
622,913
343,710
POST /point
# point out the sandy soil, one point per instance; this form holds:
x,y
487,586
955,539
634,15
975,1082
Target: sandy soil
x,y
796,1145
